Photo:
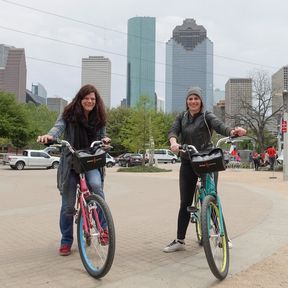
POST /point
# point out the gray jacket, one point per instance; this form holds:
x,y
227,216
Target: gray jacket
x,y
197,130
60,128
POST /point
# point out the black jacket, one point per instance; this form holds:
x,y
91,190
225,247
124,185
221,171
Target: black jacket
x,y
188,129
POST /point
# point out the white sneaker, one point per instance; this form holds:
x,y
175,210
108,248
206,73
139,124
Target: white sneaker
x,y
174,246
230,245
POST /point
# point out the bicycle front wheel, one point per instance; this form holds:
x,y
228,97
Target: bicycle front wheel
x,y
198,204
215,244
97,244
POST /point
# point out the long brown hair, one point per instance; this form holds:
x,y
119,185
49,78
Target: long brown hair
x,y
74,112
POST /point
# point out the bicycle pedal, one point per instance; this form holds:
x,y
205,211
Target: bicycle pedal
x,y
192,209
193,220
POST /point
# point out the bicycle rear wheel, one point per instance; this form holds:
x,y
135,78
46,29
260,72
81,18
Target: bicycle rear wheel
x,y
215,245
198,204
97,248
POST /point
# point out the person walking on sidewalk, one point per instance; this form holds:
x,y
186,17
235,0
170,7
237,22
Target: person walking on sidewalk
x,y
272,156
256,158
82,122
195,127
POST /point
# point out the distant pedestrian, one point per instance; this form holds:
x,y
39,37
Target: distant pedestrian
x,y
256,158
238,158
234,153
272,156
250,160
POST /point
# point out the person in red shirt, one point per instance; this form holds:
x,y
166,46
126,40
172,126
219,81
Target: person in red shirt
x,y
272,156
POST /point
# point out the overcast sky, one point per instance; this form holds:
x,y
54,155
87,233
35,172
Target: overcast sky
x,y
247,35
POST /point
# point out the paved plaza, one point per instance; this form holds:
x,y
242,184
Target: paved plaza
x,y
144,208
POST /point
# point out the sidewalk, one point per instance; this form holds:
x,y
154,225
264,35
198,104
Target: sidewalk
x,y
144,207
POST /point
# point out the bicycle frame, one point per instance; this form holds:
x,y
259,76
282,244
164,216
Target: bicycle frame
x,y
208,188
82,193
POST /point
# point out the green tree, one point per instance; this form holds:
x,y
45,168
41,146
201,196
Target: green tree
x,y
117,119
40,119
136,132
139,128
13,121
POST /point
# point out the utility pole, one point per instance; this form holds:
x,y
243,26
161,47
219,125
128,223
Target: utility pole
x,y
285,135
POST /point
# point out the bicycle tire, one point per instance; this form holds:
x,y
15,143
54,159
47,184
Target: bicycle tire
x,y
97,257
215,246
198,204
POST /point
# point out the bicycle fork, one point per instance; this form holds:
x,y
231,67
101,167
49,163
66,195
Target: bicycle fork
x,y
220,215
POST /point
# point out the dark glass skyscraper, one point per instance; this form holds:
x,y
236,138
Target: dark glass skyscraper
x,y
189,62
141,60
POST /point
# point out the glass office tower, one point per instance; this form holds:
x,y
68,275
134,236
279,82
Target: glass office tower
x,y
189,62
141,60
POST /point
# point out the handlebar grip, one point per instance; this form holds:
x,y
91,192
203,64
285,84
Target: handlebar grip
x,y
52,142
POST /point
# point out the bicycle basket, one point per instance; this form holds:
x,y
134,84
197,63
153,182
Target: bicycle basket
x,y
208,162
88,159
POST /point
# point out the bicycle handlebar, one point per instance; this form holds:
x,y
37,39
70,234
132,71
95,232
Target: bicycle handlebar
x,y
192,148
65,143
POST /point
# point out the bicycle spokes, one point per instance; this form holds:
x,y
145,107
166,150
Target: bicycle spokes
x,y
96,242
215,239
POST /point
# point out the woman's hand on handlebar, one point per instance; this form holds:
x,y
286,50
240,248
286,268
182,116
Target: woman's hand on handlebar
x,y
45,139
174,146
238,131
106,142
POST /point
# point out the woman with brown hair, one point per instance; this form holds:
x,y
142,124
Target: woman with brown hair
x,y
82,122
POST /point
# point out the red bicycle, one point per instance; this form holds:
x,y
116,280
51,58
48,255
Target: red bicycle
x,y
95,226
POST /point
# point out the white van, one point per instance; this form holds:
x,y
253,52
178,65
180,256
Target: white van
x,y
164,156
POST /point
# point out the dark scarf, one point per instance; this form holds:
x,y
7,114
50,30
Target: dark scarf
x,y
85,132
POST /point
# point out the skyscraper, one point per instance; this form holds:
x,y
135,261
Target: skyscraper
x,y
141,60
96,70
189,62
13,71
237,90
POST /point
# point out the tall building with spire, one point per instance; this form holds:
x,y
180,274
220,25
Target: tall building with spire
x,y
13,72
141,60
189,62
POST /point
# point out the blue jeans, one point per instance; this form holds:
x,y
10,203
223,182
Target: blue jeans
x,y
95,183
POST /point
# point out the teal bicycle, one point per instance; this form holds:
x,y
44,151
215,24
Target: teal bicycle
x,y
206,211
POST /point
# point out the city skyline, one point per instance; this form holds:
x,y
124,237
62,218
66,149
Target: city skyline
x,y
54,46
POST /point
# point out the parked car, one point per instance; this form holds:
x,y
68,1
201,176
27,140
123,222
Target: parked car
x,y
110,161
5,159
33,159
53,151
130,159
164,156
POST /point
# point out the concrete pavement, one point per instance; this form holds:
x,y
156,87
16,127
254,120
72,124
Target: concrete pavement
x,y
144,208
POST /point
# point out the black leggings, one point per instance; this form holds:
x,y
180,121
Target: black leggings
x,y
187,182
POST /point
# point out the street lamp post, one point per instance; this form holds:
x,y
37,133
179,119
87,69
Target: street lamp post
x,y
285,148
